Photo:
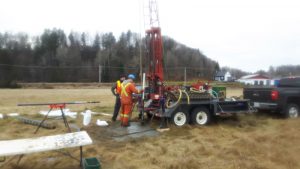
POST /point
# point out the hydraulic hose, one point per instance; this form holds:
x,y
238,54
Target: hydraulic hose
x,y
195,91
187,96
212,93
178,100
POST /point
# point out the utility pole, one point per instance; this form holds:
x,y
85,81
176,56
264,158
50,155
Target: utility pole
x,y
141,61
100,73
184,76
141,4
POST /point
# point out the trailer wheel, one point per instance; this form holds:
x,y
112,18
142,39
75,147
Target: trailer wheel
x,y
179,118
201,116
292,111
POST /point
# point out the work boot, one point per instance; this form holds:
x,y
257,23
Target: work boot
x,y
163,123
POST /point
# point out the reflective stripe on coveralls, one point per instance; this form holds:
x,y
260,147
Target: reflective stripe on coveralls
x,y
126,108
123,89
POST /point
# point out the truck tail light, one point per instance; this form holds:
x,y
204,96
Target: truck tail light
x,y
274,95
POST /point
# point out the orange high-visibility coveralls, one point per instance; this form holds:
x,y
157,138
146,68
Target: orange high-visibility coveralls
x,y
127,88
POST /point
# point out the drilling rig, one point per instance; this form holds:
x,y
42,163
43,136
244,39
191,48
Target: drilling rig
x,y
154,54
181,104
154,57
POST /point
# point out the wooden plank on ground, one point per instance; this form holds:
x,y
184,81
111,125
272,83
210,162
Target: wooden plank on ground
x,y
45,143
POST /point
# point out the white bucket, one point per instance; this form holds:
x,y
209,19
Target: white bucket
x,y
87,117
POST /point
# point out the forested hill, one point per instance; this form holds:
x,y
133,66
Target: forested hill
x,y
178,57
55,56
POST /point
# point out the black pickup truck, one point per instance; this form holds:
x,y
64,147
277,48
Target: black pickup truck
x,y
284,99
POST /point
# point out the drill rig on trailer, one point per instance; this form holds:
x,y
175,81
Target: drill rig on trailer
x,y
194,104
154,54
154,57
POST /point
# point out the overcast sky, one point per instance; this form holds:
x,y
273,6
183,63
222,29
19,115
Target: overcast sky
x,y
245,34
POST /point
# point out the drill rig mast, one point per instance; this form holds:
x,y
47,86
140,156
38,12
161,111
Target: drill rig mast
x,y
154,57
154,52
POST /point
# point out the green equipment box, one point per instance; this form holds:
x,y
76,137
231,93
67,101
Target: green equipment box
x,y
91,163
221,91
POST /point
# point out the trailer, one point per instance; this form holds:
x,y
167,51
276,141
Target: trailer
x,y
201,109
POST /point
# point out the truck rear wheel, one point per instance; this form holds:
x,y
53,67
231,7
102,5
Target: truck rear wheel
x,y
201,116
292,111
180,118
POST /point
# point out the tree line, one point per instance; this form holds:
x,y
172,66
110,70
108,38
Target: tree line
x,y
275,72
281,71
55,56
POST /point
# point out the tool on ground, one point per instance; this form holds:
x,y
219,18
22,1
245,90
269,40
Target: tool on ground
x,y
57,103
36,122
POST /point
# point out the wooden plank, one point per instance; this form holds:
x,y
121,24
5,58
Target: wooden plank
x,y
45,143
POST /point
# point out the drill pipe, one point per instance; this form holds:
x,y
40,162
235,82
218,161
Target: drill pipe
x,y
36,123
46,104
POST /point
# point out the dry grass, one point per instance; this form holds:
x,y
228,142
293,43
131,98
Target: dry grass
x,y
64,85
246,142
233,92
11,97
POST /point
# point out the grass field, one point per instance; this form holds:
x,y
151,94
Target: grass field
x,y
252,141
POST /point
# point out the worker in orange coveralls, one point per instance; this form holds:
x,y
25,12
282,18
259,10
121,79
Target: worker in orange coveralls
x,y
127,88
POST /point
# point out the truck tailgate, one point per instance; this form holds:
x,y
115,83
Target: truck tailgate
x,y
258,94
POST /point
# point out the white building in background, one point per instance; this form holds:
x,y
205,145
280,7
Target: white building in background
x,y
256,79
223,76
